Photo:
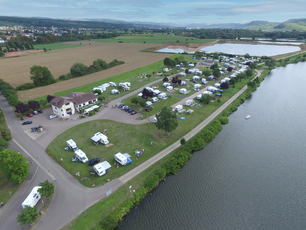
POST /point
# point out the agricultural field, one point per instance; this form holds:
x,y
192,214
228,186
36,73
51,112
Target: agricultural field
x,y
60,61
154,39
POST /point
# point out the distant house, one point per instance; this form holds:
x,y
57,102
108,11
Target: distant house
x,y
68,105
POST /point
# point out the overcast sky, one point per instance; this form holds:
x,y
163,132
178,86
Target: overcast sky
x,y
175,11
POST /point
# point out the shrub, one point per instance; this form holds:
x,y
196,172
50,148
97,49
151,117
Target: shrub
x,y
223,120
62,77
25,86
34,104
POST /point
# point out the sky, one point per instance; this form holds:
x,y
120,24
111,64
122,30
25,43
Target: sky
x,y
160,11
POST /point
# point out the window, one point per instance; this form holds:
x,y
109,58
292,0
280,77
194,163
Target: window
x,y
62,110
67,103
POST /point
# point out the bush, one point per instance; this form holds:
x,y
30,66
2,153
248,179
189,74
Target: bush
x,y
101,98
62,77
223,120
25,86
142,103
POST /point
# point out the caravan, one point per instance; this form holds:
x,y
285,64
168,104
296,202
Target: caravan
x,y
203,81
122,159
178,108
183,90
100,137
212,89
196,78
80,156
102,168
162,96
32,198
71,145
189,102
115,91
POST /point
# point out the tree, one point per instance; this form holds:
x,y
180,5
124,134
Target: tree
x,y
120,88
270,62
135,100
45,49
241,76
183,141
149,76
169,62
216,56
41,76
1,53
15,166
34,104
215,66
28,215
247,55
224,85
166,120
49,98
253,65
216,72
78,69
206,72
47,189
20,107
206,98
249,73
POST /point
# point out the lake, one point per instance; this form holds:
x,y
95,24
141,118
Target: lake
x,y
168,50
253,50
251,176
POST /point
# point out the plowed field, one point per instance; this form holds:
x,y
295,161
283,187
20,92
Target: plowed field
x,y
16,71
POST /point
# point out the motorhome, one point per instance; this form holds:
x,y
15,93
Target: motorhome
x,y
183,90
183,83
203,81
217,85
71,145
115,91
178,108
212,89
169,88
80,156
154,99
100,137
162,96
166,84
32,198
112,84
102,168
189,102
122,159
196,78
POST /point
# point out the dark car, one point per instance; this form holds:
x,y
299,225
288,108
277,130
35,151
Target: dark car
x,y
119,106
40,111
27,122
133,112
146,109
93,161
126,108
30,114
129,110
34,129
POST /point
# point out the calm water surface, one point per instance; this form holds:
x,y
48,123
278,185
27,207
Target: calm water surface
x,y
253,50
251,176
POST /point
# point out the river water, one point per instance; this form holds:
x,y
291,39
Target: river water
x,y
251,176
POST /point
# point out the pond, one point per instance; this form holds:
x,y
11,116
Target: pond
x,y
168,50
253,50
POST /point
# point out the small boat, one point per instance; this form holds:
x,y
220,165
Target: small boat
x,y
248,116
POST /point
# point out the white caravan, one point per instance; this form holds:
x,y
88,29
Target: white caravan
x,y
72,145
122,159
80,156
100,137
102,168
32,198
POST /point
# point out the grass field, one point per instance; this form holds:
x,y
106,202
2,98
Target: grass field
x,y
57,46
154,39
139,137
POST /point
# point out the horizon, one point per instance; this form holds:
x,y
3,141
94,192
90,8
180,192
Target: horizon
x,y
178,12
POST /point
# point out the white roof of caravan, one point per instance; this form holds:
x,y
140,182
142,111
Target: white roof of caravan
x,y
71,142
80,153
32,198
102,166
197,85
120,156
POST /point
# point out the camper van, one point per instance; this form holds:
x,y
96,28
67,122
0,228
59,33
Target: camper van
x,y
196,78
100,137
189,102
212,89
154,99
80,156
178,108
183,83
115,91
169,88
199,97
32,198
162,96
71,145
122,159
203,81
217,85
183,90
166,84
102,168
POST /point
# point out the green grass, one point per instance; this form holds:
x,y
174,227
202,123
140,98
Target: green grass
x,y
154,39
8,188
3,23
56,46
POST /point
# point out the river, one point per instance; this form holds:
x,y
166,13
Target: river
x,y
251,176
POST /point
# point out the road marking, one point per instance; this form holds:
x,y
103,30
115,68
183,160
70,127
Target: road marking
x,y
40,165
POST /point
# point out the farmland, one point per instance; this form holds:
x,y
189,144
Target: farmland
x,y
60,61
154,39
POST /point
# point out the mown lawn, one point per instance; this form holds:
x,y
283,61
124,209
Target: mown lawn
x,y
154,39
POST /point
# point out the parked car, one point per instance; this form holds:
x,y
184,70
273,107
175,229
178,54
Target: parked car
x,y
124,107
35,112
146,109
51,116
119,106
34,129
27,122
133,112
93,161
40,111
30,114
129,110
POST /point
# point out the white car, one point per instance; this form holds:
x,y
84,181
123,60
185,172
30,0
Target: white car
x,y
51,116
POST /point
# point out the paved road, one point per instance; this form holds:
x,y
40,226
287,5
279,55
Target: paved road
x,y
71,198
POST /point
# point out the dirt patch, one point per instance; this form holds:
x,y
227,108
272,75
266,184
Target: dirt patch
x,y
13,54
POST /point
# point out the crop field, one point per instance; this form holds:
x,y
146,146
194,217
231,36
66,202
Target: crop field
x,y
17,70
154,39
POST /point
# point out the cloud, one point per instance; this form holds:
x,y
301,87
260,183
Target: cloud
x,y
272,6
